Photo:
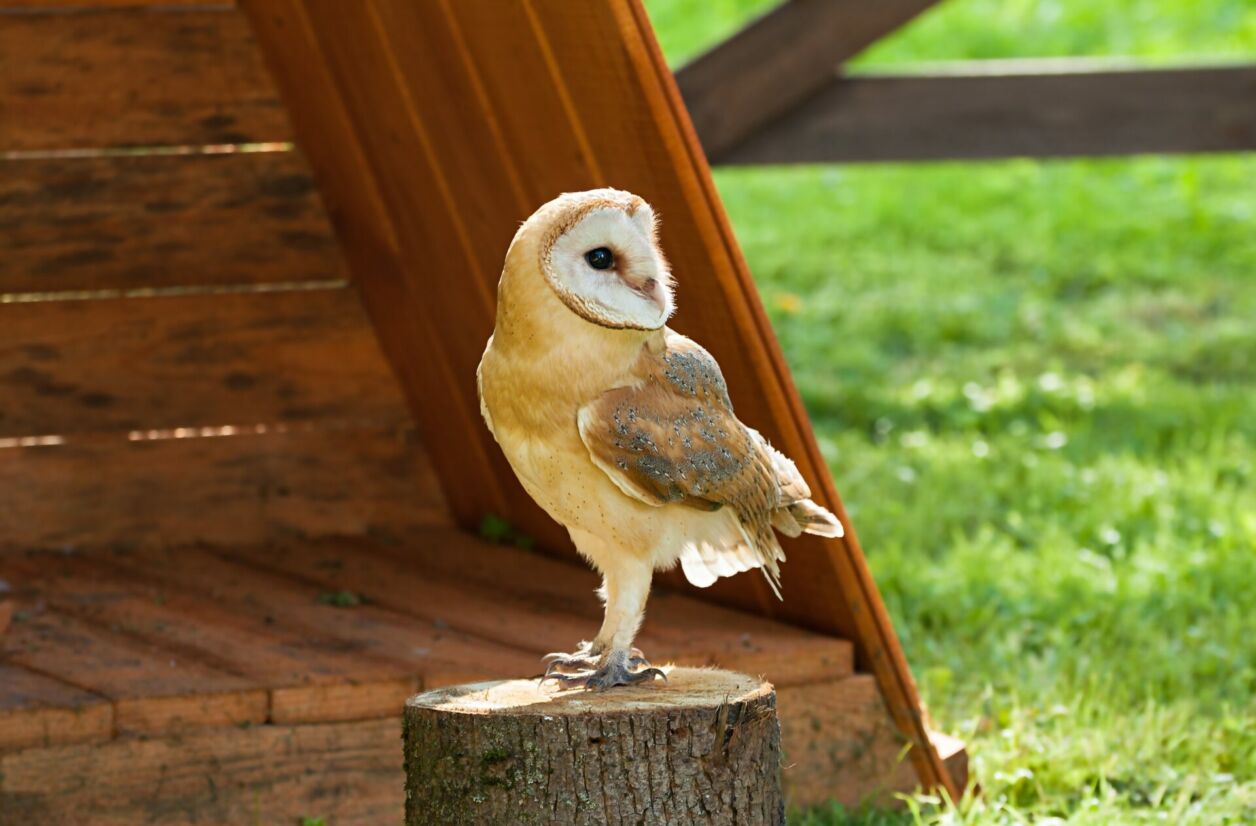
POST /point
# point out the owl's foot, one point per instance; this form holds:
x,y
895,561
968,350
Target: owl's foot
x,y
616,668
586,658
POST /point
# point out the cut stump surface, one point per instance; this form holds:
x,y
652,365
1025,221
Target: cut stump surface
x,y
704,748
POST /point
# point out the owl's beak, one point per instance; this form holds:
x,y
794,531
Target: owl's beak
x,y
648,288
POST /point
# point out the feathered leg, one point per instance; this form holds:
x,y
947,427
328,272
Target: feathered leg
x,y
610,659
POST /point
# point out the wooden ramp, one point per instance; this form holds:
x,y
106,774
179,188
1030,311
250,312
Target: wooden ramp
x,y
267,681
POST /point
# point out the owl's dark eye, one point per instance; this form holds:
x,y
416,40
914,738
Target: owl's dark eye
x,y
600,259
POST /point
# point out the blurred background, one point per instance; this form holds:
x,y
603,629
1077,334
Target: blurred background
x,y
1035,382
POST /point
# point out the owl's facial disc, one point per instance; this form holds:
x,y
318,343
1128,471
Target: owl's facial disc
x,y
607,268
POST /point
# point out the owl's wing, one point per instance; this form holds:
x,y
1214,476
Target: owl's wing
x,y
672,438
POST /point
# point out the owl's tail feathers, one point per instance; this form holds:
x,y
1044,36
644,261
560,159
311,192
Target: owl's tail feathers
x,y
805,516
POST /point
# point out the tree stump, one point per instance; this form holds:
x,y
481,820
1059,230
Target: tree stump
x,y
704,748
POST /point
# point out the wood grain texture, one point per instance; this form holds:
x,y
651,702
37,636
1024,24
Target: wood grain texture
x,y
396,239
343,772
152,688
584,98
532,605
436,653
688,630
108,77
778,60
153,221
1044,108
190,361
310,678
507,752
232,490
36,710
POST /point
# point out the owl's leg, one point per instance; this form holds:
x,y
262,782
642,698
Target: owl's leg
x,y
626,586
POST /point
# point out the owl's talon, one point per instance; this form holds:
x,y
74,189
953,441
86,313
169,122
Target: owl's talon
x,y
617,668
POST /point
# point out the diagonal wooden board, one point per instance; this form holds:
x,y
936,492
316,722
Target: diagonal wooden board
x,y
434,129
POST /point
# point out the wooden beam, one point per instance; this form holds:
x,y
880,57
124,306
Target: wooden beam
x,y
95,76
778,60
152,221
1040,108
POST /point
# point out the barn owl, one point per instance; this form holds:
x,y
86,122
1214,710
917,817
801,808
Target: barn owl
x,y
621,428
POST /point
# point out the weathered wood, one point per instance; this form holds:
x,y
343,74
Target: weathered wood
x,y
140,364
155,221
341,772
996,109
152,688
133,77
74,5
705,748
536,606
866,763
579,96
688,630
243,489
437,654
309,678
36,710
778,60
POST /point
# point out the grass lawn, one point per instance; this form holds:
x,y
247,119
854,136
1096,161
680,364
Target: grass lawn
x,y
1036,385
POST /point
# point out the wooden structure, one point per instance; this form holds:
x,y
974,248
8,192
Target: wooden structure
x,y
776,93
507,752
241,463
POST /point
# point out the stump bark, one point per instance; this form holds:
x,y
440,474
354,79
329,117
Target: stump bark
x,y
704,748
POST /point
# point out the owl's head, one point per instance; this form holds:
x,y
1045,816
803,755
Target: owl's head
x,y
598,251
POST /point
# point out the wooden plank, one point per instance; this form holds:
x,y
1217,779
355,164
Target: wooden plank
x,y
778,60
340,772
858,767
438,654
134,77
190,361
166,220
392,280
704,634
152,688
310,678
74,5
839,744
244,489
996,110
598,65
542,605
350,772
36,710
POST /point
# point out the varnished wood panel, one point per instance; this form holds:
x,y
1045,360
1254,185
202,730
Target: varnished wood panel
x,y
575,95
107,77
242,489
154,221
989,109
188,361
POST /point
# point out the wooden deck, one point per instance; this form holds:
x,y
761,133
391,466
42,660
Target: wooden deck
x,y
267,681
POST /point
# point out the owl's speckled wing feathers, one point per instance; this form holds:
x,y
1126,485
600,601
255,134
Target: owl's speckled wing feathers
x,y
671,438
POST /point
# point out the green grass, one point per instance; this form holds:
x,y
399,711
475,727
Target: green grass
x,y
1036,385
